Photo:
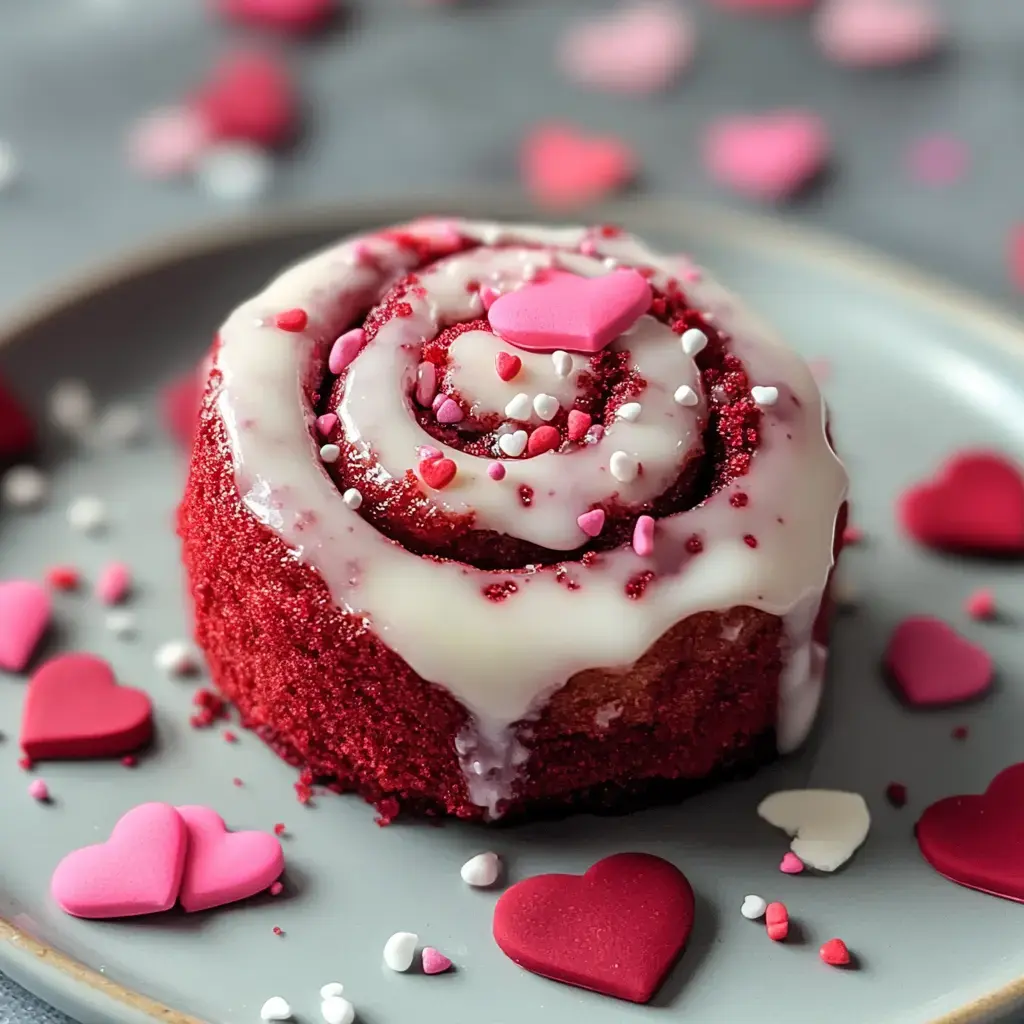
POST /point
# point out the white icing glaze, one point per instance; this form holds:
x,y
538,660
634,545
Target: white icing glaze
x,y
511,656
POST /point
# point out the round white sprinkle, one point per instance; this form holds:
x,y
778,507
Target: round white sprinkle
x,y
563,363
87,514
336,1010
120,424
400,950
176,658
610,262
546,407
764,396
10,169
513,444
330,453
685,395
235,172
624,467
276,1008
482,870
694,341
24,487
352,498
753,907
629,412
520,407
331,989
121,624
71,406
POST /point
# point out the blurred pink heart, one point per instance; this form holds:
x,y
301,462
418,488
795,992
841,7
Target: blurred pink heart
x,y
764,6
639,48
562,167
878,33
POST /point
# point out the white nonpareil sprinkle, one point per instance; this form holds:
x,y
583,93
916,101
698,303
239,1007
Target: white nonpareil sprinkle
x,y
176,658
546,407
276,1008
400,950
87,514
623,467
330,453
352,498
121,624
235,172
71,405
563,363
336,1010
482,870
694,341
610,262
331,989
24,487
120,424
514,444
10,169
629,412
685,395
764,395
520,407
753,907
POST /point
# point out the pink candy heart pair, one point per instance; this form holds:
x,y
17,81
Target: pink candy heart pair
x,y
158,854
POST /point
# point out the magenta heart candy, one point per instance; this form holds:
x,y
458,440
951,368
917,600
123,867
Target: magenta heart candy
x,y
571,313
24,616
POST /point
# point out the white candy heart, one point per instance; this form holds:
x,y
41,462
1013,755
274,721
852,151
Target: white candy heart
x,y
764,395
513,444
546,407
519,408
694,341
336,1010
276,1008
685,395
629,412
400,950
563,363
623,467
331,989
753,907
481,870
827,825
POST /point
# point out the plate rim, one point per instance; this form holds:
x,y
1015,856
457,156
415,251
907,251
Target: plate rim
x,y
45,970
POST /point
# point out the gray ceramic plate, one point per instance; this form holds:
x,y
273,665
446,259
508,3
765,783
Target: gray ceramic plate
x,y
917,371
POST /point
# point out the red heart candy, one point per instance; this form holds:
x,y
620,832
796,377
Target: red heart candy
x,y
507,365
776,920
17,431
250,98
834,953
578,424
977,841
617,929
437,473
565,311
974,504
543,439
287,15
75,708
562,167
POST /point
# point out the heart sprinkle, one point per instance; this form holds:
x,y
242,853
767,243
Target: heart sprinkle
x,y
764,396
434,962
694,341
438,473
330,453
276,1008
38,790
520,407
513,444
776,919
23,487
399,951
292,320
562,362
834,953
482,870
543,439
878,33
345,349
352,498
828,825
71,406
623,467
449,411
791,864
753,908
25,610
981,605
685,395
578,424
426,383
114,584
326,423
496,471
426,452
508,367
87,515
176,658
121,623
331,990
546,407
487,298
630,412
643,536
592,522
337,1010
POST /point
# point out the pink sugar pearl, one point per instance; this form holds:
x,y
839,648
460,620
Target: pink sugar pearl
x,y
167,143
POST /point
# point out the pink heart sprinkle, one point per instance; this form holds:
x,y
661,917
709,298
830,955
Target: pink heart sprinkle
x,y
578,424
643,536
878,33
449,411
981,605
434,962
38,790
576,314
791,864
768,157
931,664
345,349
439,400
426,383
167,143
326,423
24,616
114,583
592,522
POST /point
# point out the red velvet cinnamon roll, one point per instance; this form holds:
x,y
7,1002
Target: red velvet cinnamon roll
x,y
489,520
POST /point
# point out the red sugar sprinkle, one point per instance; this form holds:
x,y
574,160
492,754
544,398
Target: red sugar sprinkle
x,y
25,763
834,953
853,535
896,794
525,495
637,585
303,792
543,439
959,733
387,811
129,761
63,577
578,424
293,320
750,540
981,605
498,592
279,829
230,737
694,545
237,781
739,500
507,365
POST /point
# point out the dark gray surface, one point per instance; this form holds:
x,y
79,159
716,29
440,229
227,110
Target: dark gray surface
x,y
414,100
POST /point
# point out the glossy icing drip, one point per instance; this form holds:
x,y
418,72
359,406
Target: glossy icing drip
x,y
510,656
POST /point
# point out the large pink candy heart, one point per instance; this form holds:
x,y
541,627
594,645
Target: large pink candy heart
x,y
136,871
224,866
933,665
24,616
639,48
769,157
572,313
562,167
878,33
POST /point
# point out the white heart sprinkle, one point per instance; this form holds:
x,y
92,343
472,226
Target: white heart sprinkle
x,y
352,498
24,487
121,623
685,395
546,407
482,870
71,406
331,990
336,1010
235,172
87,514
176,658
611,262
694,341
753,907
520,407
513,444
764,395
629,412
400,950
330,453
276,1008
623,467
827,825
563,363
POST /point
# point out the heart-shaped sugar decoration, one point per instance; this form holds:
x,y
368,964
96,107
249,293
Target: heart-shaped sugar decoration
x,y
514,444
438,473
834,953
974,504
24,617
578,424
776,921
791,864
434,961
222,866
543,439
298,16
878,33
507,365
932,665
827,825
276,1008
563,167
592,522
572,313
75,708
136,871
753,907
617,929
449,411
546,406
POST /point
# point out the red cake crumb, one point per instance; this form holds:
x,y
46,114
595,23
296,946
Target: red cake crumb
x,y
387,810
896,794
229,736
25,763
280,829
959,732
498,592
981,605
739,500
278,931
237,781
694,545
750,540
129,761
636,585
